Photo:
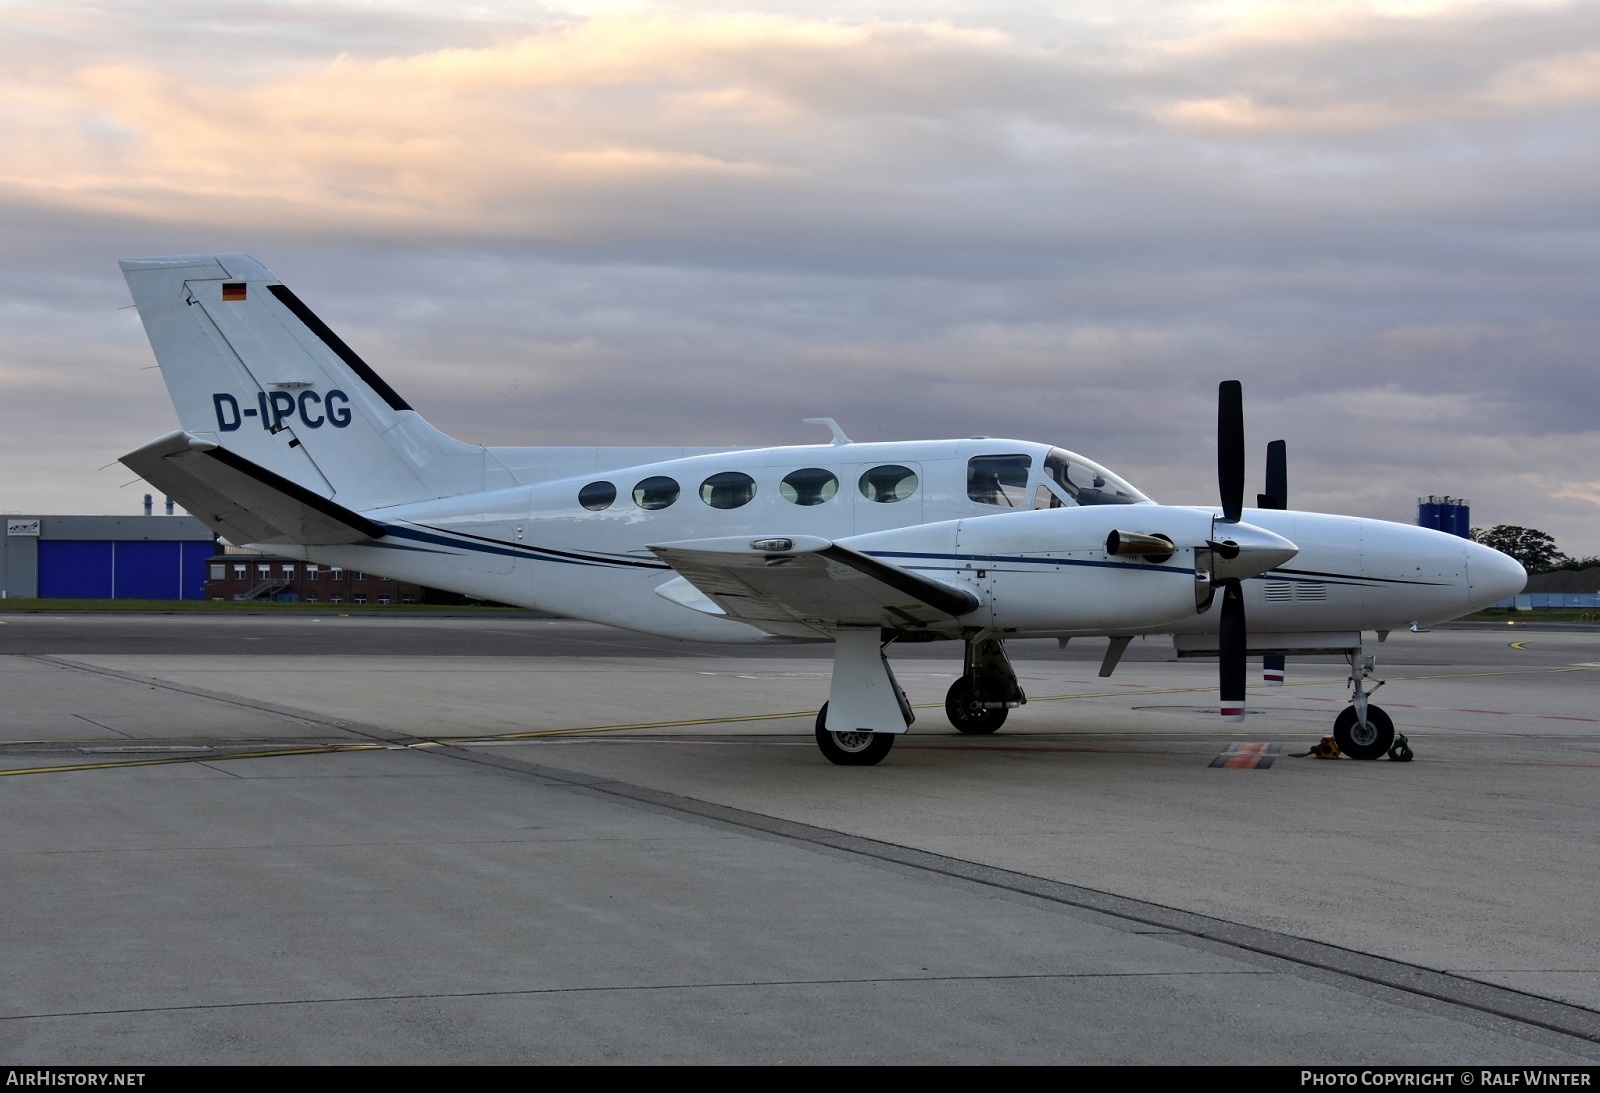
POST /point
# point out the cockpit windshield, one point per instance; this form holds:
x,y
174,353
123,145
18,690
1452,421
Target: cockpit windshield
x,y
1088,483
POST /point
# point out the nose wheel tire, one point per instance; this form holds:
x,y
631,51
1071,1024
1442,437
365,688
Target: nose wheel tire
x,y
852,748
962,708
1358,741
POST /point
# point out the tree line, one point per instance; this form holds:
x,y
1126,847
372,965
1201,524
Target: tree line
x,y
1536,551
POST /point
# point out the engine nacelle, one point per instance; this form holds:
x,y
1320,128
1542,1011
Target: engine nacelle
x,y
1050,571
1055,572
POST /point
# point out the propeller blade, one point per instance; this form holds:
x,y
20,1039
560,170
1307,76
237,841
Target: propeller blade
x,y
1231,646
1273,671
1230,448
1277,495
1273,668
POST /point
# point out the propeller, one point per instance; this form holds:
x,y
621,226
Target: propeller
x,y
1238,550
1230,448
1277,495
1232,639
1273,668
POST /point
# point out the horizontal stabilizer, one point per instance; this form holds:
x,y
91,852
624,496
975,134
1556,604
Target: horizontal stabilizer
x,y
806,587
241,501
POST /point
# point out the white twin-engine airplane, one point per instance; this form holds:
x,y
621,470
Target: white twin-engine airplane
x,y
292,443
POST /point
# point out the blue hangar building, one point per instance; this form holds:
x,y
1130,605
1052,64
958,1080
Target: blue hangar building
x,y
105,557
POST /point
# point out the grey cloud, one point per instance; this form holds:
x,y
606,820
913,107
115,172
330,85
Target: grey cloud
x,y
942,236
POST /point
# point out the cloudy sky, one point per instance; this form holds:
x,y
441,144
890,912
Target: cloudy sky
x,y
701,222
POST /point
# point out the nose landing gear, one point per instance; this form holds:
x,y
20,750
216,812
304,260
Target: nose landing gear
x,y
1363,731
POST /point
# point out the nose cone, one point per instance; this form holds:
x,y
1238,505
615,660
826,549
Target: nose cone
x,y
1243,550
1492,576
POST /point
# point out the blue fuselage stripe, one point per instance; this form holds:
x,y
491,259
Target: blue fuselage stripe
x,y
478,545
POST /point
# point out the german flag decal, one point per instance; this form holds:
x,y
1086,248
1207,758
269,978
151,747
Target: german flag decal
x,y
232,291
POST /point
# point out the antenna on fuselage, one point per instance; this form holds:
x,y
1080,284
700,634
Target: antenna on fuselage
x,y
832,426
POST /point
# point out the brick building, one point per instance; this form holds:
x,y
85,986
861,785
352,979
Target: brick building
x,y
237,574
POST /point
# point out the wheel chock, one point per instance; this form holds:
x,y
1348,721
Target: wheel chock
x,y
1326,748
1401,751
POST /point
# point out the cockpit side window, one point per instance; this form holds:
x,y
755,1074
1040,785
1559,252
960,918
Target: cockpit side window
x,y
999,480
1086,483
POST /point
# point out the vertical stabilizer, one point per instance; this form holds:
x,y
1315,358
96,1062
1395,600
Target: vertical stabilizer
x,y
253,370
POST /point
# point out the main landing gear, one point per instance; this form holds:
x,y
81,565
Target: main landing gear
x,y
987,691
872,709
869,708
852,748
1363,731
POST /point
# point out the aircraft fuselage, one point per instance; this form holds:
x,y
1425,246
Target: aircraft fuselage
x,y
1040,572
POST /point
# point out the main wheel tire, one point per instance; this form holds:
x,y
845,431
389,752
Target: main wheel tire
x,y
1358,741
855,748
966,715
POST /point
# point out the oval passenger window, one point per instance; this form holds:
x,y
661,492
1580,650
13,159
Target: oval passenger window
x,y
656,492
597,496
888,484
728,490
808,486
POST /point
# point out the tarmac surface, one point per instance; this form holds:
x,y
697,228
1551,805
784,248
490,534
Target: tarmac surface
x,y
507,839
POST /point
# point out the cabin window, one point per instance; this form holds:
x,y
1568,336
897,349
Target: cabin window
x,y
809,486
888,484
656,492
1044,499
998,480
728,490
597,496
1086,483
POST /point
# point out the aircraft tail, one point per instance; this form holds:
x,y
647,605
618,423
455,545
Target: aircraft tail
x,y
253,371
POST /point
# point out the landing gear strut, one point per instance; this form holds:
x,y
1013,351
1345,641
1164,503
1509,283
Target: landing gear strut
x,y
979,701
1363,731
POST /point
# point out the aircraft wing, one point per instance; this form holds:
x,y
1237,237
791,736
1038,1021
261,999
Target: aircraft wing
x,y
244,502
805,587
